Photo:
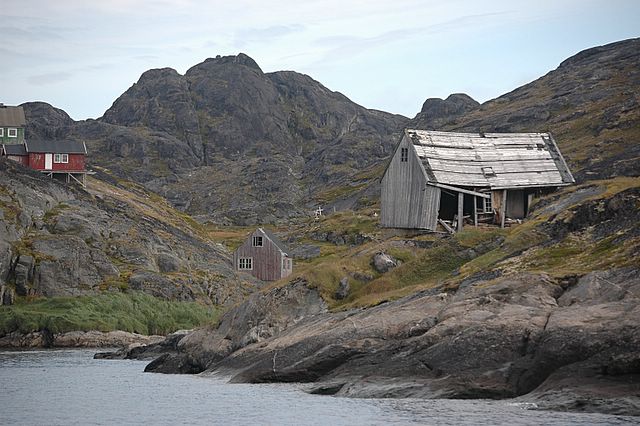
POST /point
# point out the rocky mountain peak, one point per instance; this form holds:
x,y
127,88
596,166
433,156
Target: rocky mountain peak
x,y
621,50
45,121
239,59
158,73
438,112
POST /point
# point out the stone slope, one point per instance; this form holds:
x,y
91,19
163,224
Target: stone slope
x,y
281,136
62,240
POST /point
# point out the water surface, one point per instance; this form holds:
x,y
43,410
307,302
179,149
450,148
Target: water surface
x,y
69,387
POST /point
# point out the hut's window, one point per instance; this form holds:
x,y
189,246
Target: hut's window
x,y
488,208
257,241
1,132
245,263
61,158
12,132
488,171
404,154
286,263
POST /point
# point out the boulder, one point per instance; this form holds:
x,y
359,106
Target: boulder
x,y
343,289
167,262
383,262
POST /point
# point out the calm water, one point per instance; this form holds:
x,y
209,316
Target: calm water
x,y
68,387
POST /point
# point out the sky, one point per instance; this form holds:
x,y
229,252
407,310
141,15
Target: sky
x,y
391,55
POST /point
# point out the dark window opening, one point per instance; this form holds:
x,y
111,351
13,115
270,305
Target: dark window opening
x,y
257,241
404,155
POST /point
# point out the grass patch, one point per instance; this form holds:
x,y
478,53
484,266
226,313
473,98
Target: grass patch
x,y
134,312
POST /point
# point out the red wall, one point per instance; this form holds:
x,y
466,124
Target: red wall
x,y
76,162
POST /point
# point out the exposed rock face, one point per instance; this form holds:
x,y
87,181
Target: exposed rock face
x,y
436,113
519,335
261,317
76,339
61,240
225,124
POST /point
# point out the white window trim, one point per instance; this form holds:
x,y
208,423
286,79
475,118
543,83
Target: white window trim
x,y
11,130
487,205
243,262
255,239
1,132
61,158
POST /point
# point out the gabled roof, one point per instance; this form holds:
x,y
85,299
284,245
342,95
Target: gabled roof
x,y
12,116
494,160
14,149
275,240
58,147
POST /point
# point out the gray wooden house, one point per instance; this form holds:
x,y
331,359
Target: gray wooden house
x,y
264,256
443,177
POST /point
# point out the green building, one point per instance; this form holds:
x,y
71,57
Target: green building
x,y
12,123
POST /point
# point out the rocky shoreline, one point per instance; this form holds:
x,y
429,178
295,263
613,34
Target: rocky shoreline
x,y
76,339
566,345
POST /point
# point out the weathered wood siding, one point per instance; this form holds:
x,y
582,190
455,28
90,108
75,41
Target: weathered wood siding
x,y
516,204
267,260
406,201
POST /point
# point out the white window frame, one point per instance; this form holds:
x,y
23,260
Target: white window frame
x,y
61,158
245,263
487,206
1,132
11,130
257,239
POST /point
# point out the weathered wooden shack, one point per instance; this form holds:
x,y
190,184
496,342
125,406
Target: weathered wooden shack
x,y
443,177
264,256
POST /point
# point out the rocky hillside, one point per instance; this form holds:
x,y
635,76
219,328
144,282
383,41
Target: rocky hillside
x,y
544,312
62,240
290,143
196,139
591,103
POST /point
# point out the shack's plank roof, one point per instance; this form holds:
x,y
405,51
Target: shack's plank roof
x,y
57,147
12,116
495,160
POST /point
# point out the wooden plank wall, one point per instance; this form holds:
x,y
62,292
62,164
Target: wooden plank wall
x,y
267,260
406,201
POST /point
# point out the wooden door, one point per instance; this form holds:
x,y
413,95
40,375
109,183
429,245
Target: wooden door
x,y
48,161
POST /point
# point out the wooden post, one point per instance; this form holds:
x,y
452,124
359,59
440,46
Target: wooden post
x,y
460,210
503,208
475,211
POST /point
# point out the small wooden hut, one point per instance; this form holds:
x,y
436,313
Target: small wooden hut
x,y
264,256
443,177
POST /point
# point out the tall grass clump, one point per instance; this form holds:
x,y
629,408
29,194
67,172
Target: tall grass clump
x,y
132,312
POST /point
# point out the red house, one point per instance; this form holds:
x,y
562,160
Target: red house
x,y
58,159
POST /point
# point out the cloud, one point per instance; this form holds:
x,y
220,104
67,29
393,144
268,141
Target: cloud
x,y
265,35
344,46
49,78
